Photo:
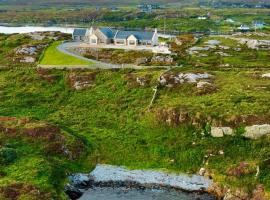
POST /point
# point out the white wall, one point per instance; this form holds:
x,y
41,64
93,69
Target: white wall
x,y
155,39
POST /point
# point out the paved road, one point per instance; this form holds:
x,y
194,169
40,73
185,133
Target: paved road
x,y
96,64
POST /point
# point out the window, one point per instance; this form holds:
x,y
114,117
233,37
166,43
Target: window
x,y
93,41
120,42
132,42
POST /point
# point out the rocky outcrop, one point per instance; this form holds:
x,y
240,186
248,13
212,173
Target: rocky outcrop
x,y
172,116
134,80
81,81
148,178
46,75
30,50
171,80
242,169
115,176
221,131
267,75
254,44
257,131
28,59
162,59
205,87
251,132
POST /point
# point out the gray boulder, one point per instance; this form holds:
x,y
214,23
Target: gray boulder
x,y
221,131
257,131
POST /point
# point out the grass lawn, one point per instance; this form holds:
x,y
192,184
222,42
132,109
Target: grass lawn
x,y
53,56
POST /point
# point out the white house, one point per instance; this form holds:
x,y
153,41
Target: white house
x,y
104,35
80,34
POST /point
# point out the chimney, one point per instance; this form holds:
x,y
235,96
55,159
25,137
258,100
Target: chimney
x,y
91,30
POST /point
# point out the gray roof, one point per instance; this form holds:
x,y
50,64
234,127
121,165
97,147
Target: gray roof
x,y
140,35
80,31
110,33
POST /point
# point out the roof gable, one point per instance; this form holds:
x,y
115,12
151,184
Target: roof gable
x,y
80,31
132,37
109,33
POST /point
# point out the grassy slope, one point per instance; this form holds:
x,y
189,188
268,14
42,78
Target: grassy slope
x,y
113,119
53,56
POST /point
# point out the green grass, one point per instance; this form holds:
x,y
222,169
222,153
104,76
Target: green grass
x,y
53,56
112,119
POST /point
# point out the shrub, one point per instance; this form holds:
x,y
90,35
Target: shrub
x,y
7,155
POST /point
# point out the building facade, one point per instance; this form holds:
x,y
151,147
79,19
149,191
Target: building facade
x,y
106,36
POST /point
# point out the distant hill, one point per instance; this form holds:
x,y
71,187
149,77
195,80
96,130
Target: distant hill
x,y
122,2
95,2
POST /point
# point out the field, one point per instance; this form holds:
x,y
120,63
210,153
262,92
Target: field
x,y
50,128
53,56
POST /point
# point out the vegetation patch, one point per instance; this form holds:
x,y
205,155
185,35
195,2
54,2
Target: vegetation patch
x,y
53,56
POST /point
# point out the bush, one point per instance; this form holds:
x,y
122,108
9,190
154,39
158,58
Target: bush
x,y
7,155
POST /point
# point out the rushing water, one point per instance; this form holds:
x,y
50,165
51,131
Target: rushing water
x,y
109,193
29,29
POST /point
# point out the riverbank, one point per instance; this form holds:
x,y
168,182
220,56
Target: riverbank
x,y
108,176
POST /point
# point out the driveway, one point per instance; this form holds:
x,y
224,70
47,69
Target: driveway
x,y
97,64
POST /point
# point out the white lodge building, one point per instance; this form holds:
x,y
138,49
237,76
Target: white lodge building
x,y
106,36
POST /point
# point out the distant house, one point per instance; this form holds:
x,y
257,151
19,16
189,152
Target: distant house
x,y
202,18
79,34
229,20
106,36
134,38
244,28
258,25
148,7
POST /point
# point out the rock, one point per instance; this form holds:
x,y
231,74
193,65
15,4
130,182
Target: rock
x,y
236,195
133,80
193,78
205,87
73,192
28,59
46,75
27,51
141,61
221,152
254,44
242,169
213,42
221,131
202,171
257,131
259,193
225,65
79,180
237,49
141,81
222,54
202,84
162,59
224,47
148,178
81,81
170,80
267,75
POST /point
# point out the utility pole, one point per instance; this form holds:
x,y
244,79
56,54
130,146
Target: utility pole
x,y
164,25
